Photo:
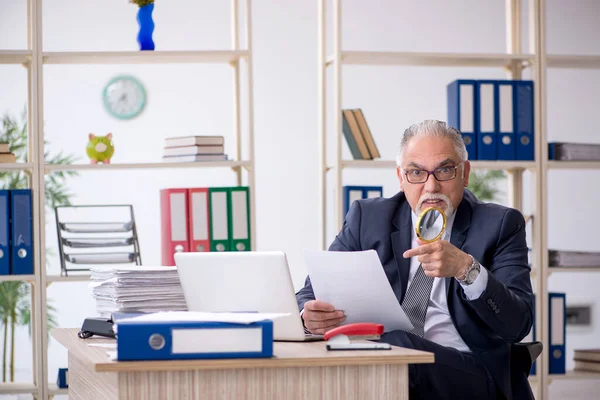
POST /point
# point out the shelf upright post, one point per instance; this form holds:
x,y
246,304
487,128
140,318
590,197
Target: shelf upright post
x,y
250,101
237,125
537,37
515,69
337,106
322,129
36,155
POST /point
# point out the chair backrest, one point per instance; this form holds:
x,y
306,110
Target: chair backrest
x,y
521,360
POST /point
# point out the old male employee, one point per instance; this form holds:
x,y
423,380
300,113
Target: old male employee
x,y
468,295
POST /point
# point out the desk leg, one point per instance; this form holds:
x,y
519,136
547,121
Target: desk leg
x,y
87,384
336,382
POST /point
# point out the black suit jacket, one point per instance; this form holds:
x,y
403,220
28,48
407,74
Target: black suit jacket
x,y
493,234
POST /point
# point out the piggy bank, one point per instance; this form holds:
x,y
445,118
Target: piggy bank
x,y
100,148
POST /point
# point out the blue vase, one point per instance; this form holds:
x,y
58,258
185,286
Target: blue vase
x,y
144,19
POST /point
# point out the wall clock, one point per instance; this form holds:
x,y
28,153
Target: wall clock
x,y
124,97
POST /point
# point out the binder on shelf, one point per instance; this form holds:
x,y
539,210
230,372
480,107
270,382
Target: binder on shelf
x,y
352,193
5,249
198,222
174,223
239,204
462,104
175,340
220,219
487,131
524,119
557,332
354,137
22,232
507,143
62,380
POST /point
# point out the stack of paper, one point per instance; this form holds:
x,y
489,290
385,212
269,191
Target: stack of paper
x,y
562,258
136,289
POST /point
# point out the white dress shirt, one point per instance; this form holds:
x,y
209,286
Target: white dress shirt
x,y
438,324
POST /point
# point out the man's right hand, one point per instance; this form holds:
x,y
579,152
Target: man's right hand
x,y
319,317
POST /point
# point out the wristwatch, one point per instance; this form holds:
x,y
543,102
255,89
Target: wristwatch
x,y
472,272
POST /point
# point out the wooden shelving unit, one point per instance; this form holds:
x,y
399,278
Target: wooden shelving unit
x,y
238,58
515,61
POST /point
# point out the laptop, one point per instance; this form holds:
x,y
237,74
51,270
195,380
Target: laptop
x,y
248,281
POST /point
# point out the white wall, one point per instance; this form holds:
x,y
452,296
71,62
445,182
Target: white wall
x,y
197,99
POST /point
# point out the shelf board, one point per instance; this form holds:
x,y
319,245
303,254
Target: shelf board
x,y
70,278
199,164
15,56
574,164
17,388
53,389
573,61
16,166
431,59
143,57
29,278
493,165
575,375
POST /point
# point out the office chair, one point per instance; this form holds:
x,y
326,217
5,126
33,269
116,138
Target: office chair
x,y
521,359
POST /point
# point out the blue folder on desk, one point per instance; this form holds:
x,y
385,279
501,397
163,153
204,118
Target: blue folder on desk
x,y
179,340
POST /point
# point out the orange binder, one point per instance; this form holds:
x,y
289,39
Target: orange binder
x,y
174,223
198,221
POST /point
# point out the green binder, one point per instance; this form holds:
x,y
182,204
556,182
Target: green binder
x,y
239,207
220,219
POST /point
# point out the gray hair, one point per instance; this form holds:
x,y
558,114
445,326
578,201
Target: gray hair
x,y
432,127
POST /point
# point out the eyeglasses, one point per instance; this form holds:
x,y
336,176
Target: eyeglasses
x,y
421,175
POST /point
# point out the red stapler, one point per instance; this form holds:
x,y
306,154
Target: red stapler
x,y
339,338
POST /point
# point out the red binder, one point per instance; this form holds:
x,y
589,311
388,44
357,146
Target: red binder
x,y
174,223
199,219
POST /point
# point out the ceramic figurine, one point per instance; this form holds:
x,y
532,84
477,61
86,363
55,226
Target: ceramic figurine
x,y
100,149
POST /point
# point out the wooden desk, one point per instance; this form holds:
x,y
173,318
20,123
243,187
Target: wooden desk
x,y
297,371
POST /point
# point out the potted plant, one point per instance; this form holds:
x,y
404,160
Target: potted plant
x,y
145,22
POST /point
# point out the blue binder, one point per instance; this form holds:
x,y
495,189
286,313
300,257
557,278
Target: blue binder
x,y
22,232
62,380
462,99
524,121
352,193
486,130
507,138
557,332
4,232
174,340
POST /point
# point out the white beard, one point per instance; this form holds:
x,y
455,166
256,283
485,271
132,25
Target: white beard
x,y
436,196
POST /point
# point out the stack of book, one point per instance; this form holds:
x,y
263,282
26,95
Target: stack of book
x,y
5,154
587,360
573,151
579,259
136,289
194,148
358,135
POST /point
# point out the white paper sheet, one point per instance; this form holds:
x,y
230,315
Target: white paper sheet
x,y
198,316
355,282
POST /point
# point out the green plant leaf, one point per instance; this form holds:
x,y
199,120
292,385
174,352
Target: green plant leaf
x,y
483,184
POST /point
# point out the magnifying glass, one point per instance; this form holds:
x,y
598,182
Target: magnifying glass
x,y
431,224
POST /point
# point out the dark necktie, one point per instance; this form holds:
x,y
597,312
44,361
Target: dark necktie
x,y
416,300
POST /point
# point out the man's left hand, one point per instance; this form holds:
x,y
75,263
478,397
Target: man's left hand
x,y
440,259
